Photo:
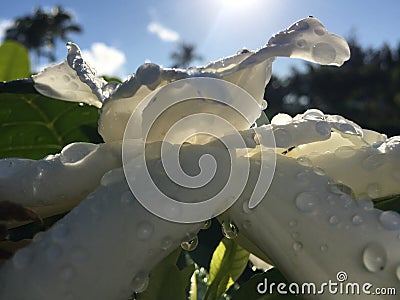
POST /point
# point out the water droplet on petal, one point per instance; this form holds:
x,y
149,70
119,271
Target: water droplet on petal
x,y
140,282
229,230
22,258
390,220
319,171
357,220
292,223
166,243
323,128
333,220
297,246
301,43
319,31
323,248
313,114
264,104
144,230
304,161
374,190
281,119
366,204
398,273
306,201
190,245
345,152
374,257
323,53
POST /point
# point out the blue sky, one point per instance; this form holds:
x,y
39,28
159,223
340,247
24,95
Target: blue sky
x,y
121,35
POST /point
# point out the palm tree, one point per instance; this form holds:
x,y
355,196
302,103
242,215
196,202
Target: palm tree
x,y
39,31
184,55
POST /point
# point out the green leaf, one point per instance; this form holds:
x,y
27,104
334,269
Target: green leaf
x,y
167,281
267,280
388,203
227,264
33,126
14,61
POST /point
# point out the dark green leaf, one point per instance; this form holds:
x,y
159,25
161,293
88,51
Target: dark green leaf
x,y
388,203
33,126
227,264
268,279
167,281
14,61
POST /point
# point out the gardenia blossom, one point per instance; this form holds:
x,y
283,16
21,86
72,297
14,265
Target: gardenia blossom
x,y
316,218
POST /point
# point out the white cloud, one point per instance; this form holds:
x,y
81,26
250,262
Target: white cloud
x,y
104,59
164,33
4,24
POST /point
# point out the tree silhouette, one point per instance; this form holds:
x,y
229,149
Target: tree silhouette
x,y
184,55
39,31
365,89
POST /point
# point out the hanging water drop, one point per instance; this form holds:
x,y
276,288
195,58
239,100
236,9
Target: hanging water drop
x,y
306,201
140,282
264,104
313,114
357,220
333,220
297,246
207,224
374,257
304,161
229,230
374,190
281,119
390,220
190,245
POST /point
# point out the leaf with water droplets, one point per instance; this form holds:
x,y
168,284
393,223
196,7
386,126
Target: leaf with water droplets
x,y
167,281
33,126
227,264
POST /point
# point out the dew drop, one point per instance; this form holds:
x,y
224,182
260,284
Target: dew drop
x,y
374,190
297,246
323,128
390,220
166,243
301,43
374,257
304,161
365,204
283,138
313,115
306,201
323,248
373,161
21,258
333,220
281,119
357,220
339,188
323,53
81,104
75,152
292,223
140,282
345,152
229,230
144,230
207,224
319,31
190,245
264,104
